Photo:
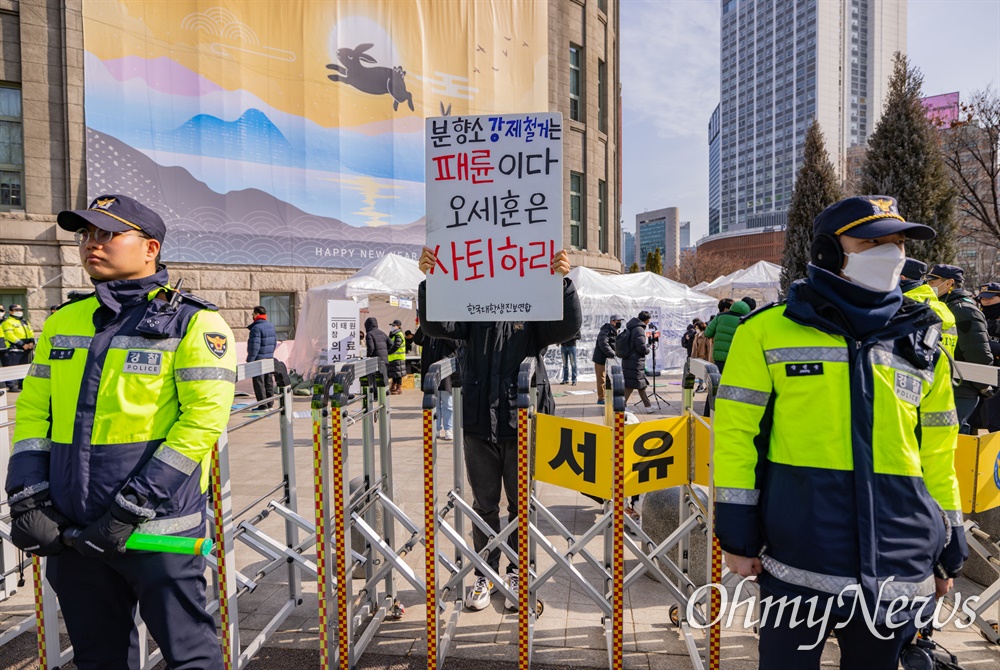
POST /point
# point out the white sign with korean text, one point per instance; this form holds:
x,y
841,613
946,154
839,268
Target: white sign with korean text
x,y
342,333
494,217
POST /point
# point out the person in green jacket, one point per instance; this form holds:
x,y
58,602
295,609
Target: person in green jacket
x,y
722,328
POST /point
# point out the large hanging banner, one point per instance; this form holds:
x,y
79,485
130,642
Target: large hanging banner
x,y
291,132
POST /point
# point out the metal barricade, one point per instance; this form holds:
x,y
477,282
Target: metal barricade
x,y
338,511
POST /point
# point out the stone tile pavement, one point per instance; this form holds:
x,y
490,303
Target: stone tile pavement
x,y
569,633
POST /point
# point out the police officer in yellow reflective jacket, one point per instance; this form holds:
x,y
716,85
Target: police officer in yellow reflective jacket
x,y
915,287
130,388
835,435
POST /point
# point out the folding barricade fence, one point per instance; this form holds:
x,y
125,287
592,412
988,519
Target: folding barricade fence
x,y
672,452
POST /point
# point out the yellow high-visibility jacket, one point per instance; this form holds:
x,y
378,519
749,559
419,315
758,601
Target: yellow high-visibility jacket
x,y
126,393
834,457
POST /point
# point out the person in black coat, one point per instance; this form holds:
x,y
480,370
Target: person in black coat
x,y
432,350
376,341
604,349
493,355
261,344
634,364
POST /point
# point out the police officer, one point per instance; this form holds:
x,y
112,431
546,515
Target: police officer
x,y
914,286
835,435
397,357
130,389
973,344
19,338
989,301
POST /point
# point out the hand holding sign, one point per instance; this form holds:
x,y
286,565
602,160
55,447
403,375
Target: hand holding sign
x,y
560,263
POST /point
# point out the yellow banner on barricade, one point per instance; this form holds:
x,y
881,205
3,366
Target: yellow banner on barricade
x,y
577,455
977,464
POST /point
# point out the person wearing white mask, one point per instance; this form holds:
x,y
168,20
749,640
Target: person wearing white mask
x,y
835,431
973,341
20,340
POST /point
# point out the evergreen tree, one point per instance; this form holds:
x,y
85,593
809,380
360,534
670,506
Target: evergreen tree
x,y
904,161
654,262
815,189
633,268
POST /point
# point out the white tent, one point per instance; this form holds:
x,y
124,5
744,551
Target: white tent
x,y
761,281
371,287
602,296
699,286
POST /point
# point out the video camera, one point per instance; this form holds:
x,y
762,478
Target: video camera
x,y
653,333
925,654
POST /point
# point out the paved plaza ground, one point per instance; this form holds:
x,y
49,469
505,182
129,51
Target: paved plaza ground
x,y
568,634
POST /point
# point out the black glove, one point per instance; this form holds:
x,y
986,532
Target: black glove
x,y
35,525
106,537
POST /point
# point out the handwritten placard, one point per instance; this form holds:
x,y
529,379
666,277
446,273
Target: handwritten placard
x,y
494,217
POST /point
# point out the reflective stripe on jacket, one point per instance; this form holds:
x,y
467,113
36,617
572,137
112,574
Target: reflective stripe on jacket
x,y
137,401
836,457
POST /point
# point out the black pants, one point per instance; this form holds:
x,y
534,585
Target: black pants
x,y
14,357
263,387
964,407
98,599
490,465
859,649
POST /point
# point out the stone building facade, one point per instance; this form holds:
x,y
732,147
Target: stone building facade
x,y
42,98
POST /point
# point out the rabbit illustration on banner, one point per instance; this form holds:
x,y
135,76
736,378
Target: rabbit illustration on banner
x,y
376,80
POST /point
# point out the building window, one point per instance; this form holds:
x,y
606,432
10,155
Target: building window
x,y
16,296
575,84
602,215
603,5
11,150
280,312
575,210
602,95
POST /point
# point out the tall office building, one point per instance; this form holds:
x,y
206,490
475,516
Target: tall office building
x,y
714,144
658,229
685,235
628,249
785,63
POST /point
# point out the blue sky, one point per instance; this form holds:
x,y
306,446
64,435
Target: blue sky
x,y
670,85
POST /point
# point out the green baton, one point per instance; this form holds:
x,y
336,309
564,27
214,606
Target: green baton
x,y
170,544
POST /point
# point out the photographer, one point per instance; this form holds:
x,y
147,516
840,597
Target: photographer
x,y
633,355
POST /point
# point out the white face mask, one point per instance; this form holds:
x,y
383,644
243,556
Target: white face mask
x,y
877,268
17,315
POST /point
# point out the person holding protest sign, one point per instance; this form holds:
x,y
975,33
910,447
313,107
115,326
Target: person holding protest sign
x,y
835,435
489,369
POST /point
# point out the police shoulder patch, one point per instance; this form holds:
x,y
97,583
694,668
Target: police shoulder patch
x,y
217,343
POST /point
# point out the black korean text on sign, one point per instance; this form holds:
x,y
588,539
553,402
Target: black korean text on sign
x,y
567,455
653,461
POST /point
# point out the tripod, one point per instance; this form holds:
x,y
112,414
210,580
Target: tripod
x,y
654,395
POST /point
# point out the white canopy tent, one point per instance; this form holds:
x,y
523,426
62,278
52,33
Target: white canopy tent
x,y
371,287
761,281
602,296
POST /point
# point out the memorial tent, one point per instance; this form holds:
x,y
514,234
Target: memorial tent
x,y
761,281
390,279
602,296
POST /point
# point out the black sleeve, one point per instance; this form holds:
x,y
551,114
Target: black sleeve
x,y
973,340
640,346
449,330
556,332
605,341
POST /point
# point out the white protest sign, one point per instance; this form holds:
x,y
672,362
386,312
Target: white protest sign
x,y
494,217
342,320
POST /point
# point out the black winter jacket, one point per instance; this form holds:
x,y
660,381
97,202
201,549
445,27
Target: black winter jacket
x,y
973,341
604,348
433,349
376,341
634,365
493,355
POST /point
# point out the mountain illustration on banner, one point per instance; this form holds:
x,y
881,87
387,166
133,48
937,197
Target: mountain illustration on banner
x,y
252,137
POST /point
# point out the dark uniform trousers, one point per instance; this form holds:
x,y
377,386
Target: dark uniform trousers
x,y
263,387
98,600
859,648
